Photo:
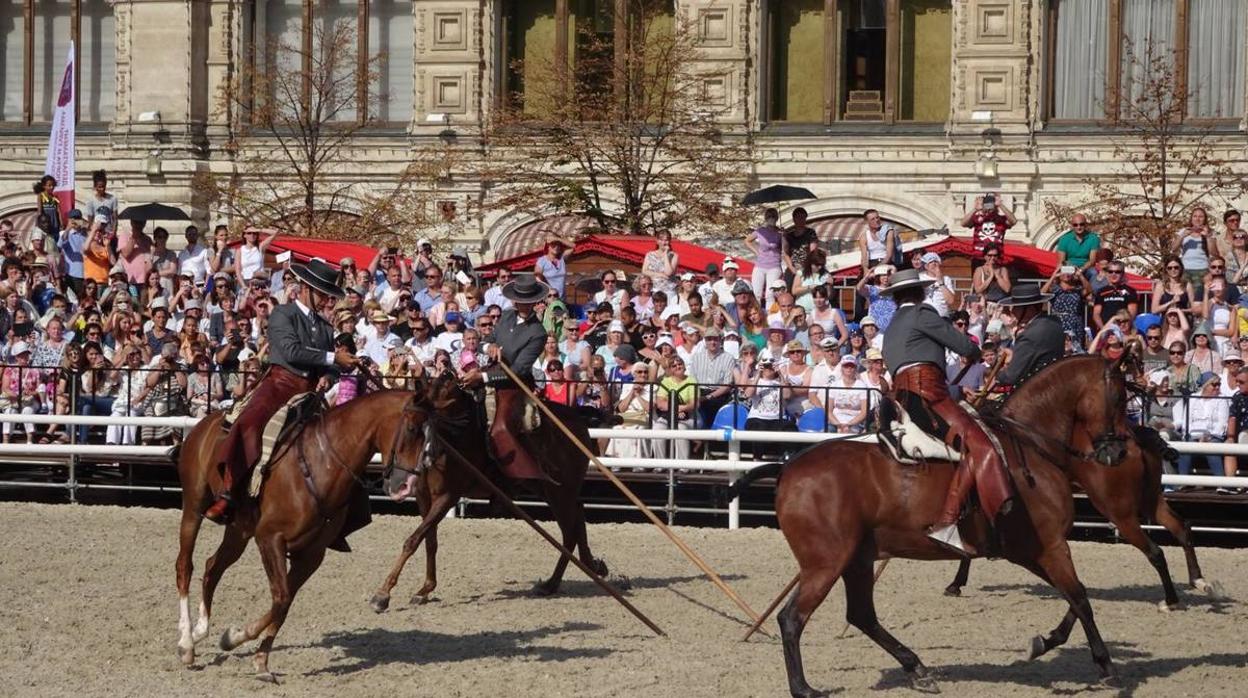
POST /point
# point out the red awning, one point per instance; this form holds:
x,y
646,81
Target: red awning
x,y
630,249
1029,261
332,251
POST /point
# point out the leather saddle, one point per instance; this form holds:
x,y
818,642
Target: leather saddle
x,y
912,434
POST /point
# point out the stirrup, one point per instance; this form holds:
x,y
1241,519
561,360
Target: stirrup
x,y
949,537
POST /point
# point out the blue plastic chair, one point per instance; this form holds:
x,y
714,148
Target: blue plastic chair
x,y
730,416
812,421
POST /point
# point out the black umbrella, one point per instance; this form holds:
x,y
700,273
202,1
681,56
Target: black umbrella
x,y
153,212
776,192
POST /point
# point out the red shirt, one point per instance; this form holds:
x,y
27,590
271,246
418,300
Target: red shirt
x,y
989,227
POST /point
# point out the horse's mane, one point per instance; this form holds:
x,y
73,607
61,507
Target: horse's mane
x,y
1042,392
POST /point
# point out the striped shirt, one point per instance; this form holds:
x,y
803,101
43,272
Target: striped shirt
x,y
711,371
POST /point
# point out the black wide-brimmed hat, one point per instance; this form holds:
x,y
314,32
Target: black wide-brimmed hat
x,y
1025,294
906,278
320,276
526,289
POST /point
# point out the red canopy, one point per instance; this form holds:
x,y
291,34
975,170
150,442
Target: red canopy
x,y
630,249
333,251
1029,261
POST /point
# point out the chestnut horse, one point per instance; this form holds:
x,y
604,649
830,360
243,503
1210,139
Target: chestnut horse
x,y
842,505
301,507
439,481
1140,473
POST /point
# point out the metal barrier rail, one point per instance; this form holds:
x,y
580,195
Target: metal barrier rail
x,y
732,465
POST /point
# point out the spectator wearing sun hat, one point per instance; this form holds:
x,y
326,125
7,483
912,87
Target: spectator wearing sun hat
x,y
377,346
723,287
880,306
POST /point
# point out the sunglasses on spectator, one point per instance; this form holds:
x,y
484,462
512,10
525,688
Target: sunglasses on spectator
x,y
1217,267
1151,337
960,323
1173,267
1078,225
1176,353
1115,271
433,276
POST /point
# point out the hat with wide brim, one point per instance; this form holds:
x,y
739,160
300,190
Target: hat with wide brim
x,y
320,276
904,279
1025,294
525,289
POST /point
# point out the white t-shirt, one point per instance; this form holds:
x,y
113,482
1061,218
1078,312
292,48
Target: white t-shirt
x,y
195,260
935,298
252,260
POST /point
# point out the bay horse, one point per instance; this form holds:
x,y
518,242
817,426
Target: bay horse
x,y
1127,494
842,505
301,507
439,481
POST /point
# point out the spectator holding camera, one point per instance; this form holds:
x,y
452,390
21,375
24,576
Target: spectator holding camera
x,y
1194,244
1071,292
988,221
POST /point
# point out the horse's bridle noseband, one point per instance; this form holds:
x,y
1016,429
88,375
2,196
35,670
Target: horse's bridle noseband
x,y
391,463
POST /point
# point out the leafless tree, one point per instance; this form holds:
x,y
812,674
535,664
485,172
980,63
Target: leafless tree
x,y
294,118
625,133
1169,166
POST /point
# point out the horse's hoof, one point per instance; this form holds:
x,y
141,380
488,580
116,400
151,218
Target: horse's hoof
x,y
924,684
599,567
1211,589
232,638
267,677
418,599
1037,648
379,603
1166,607
1111,681
199,633
951,590
545,589
186,655
810,693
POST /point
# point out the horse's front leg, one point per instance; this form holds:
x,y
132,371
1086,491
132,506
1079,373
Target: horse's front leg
x,y
431,568
437,510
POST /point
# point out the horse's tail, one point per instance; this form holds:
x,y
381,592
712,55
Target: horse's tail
x,y
765,470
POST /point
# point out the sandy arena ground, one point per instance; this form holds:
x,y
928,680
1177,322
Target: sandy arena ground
x,y
88,605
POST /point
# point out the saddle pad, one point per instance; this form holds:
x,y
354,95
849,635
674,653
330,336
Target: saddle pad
x,y
270,438
909,444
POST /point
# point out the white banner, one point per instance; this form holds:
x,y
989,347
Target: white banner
x,y
60,162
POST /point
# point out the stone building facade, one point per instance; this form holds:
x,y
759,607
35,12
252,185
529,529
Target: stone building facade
x,y
912,107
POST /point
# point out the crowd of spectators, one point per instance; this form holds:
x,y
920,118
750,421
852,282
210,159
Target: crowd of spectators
x,y
101,316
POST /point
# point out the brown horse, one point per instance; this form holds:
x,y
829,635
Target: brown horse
x,y
301,507
842,505
1125,495
439,481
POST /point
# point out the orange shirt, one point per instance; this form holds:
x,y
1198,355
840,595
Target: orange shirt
x,y
95,262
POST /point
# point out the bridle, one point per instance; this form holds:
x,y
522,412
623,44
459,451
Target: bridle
x,y
405,428
1109,448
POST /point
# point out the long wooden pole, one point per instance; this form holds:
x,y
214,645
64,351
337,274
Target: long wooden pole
x,y
606,472
772,608
975,400
515,508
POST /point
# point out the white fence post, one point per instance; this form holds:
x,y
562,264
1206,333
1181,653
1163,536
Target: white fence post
x,y
734,506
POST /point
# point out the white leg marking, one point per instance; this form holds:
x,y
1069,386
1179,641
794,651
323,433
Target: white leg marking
x,y
201,625
186,647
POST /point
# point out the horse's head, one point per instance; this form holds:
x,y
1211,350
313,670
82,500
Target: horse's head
x,y
1083,401
408,448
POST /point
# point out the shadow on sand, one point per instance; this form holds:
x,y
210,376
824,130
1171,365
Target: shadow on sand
x,y
369,648
1143,593
1072,665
